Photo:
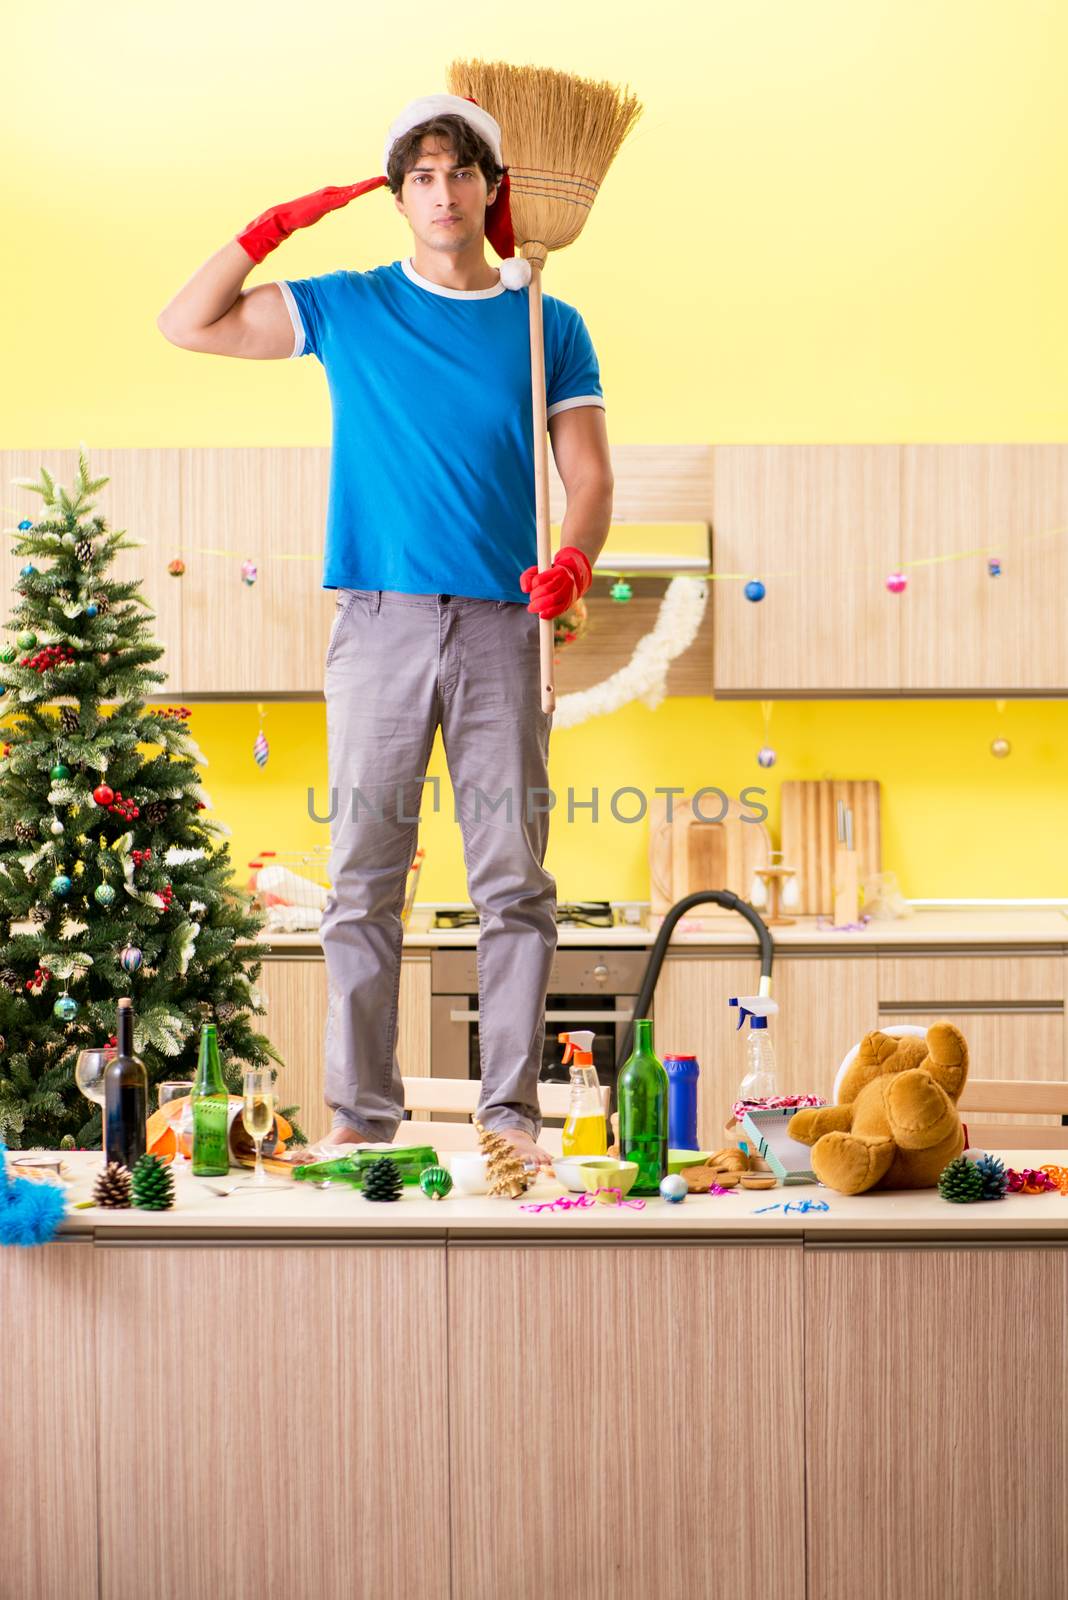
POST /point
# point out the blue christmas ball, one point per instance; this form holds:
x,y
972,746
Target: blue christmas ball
x,y
28,570
130,958
60,885
754,590
24,524
103,894
66,1008
673,1187
91,609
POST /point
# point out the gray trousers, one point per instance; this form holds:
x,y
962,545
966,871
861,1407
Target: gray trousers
x,y
397,665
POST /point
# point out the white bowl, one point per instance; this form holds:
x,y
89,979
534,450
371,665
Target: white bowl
x,y
568,1170
468,1170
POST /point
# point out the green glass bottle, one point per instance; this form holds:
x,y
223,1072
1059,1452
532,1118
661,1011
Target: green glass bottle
x,y
211,1110
642,1091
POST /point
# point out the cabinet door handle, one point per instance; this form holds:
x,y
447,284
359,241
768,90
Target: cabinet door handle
x,y
557,1016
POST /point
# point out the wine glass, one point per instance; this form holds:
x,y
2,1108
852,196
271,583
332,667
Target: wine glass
x,y
257,1111
175,1089
89,1071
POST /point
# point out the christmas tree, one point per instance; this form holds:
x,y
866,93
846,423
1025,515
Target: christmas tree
x,y
107,858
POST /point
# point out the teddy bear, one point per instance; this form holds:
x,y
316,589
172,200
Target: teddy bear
x,y
895,1123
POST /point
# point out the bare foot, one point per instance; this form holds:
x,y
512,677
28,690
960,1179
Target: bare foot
x,y
525,1147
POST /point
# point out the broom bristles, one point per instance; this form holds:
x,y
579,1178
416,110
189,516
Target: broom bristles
x,y
559,135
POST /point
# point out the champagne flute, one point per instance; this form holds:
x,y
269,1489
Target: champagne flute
x,y
175,1089
257,1112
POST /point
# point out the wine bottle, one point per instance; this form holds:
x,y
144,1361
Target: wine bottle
x,y
125,1096
642,1090
211,1110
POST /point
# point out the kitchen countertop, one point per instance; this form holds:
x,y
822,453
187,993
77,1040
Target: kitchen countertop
x,y
1044,926
303,1212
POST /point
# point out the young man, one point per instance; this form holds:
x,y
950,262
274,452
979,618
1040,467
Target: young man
x,y
431,545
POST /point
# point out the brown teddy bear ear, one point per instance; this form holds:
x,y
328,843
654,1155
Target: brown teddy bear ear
x,y
873,1052
947,1057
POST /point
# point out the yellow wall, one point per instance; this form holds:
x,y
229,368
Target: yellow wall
x,y
834,222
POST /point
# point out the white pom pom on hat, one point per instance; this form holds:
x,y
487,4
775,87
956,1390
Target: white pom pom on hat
x,y
515,272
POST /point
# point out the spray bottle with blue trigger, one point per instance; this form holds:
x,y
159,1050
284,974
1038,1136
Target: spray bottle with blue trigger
x,y
759,1081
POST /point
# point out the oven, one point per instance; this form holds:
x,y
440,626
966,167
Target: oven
x,y
588,988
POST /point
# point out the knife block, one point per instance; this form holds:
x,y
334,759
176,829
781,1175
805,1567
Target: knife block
x,y
846,886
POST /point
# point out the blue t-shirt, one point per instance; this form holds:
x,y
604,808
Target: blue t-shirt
x,y
432,466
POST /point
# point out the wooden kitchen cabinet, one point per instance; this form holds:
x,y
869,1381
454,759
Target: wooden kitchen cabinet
x,y
295,995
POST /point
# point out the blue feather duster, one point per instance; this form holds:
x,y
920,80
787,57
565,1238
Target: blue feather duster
x,y
30,1213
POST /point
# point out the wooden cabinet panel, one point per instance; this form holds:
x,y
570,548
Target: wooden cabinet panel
x,y
268,505
255,1447
1005,978
48,1424
295,995
634,1358
819,525
910,1357
826,1004
962,629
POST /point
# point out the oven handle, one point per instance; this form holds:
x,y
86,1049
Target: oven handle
x,y
558,1016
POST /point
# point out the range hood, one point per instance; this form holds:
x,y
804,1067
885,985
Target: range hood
x,y
652,549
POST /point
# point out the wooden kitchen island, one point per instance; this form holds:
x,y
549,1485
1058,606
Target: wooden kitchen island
x,y
304,1394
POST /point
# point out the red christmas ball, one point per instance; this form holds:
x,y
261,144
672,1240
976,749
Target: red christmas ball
x,y
103,795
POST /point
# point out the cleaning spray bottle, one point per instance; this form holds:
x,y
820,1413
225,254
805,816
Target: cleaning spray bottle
x,y
585,1131
759,1081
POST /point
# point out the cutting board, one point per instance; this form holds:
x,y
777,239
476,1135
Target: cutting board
x,y
809,835
688,854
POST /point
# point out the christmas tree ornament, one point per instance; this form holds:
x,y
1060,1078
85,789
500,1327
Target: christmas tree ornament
x,y
7,654
61,885
26,641
130,958
754,590
766,756
248,572
25,525
91,608
993,567
620,591
104,894
1000,748
112,1187
995,1178
79,868
30,1212
897,583
25,832
10,980
68,716
156,813
28,570
85,551
103,604
435,1182
960,1181
59,772
226,1011
261,749
673,1188
69,539
176,567
382,1180
66,1008
103,795
504,1167
67,1142
152,1185
40,915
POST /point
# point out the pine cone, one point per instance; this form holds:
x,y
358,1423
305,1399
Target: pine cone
x,y
112,1188
156,812
102,603
11,980
153,1186
84,551
382,1180
961,1181
25,832
995,1179
226,1011
68,716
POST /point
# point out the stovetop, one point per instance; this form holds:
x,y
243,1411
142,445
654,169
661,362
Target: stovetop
x,y
569,914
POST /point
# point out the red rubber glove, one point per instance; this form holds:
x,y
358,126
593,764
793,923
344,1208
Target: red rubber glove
x,y
265,233
555,589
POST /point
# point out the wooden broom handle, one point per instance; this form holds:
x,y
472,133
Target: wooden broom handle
x,y
541,477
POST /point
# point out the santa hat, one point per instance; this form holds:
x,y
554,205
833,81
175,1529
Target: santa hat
x,y
515,270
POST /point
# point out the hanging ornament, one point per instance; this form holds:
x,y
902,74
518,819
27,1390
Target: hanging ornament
x,y
7,655
69,539
176,567
103,795
85,551
1000,748
993,566
25,525
59,772
57,826
130,958
26,641
91,609
897,583
61,885
261,749
103,894
754,590
766,756
79,868
66,1008
248,572
621,591
28,570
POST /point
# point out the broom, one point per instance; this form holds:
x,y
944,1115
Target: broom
x,y
559,135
